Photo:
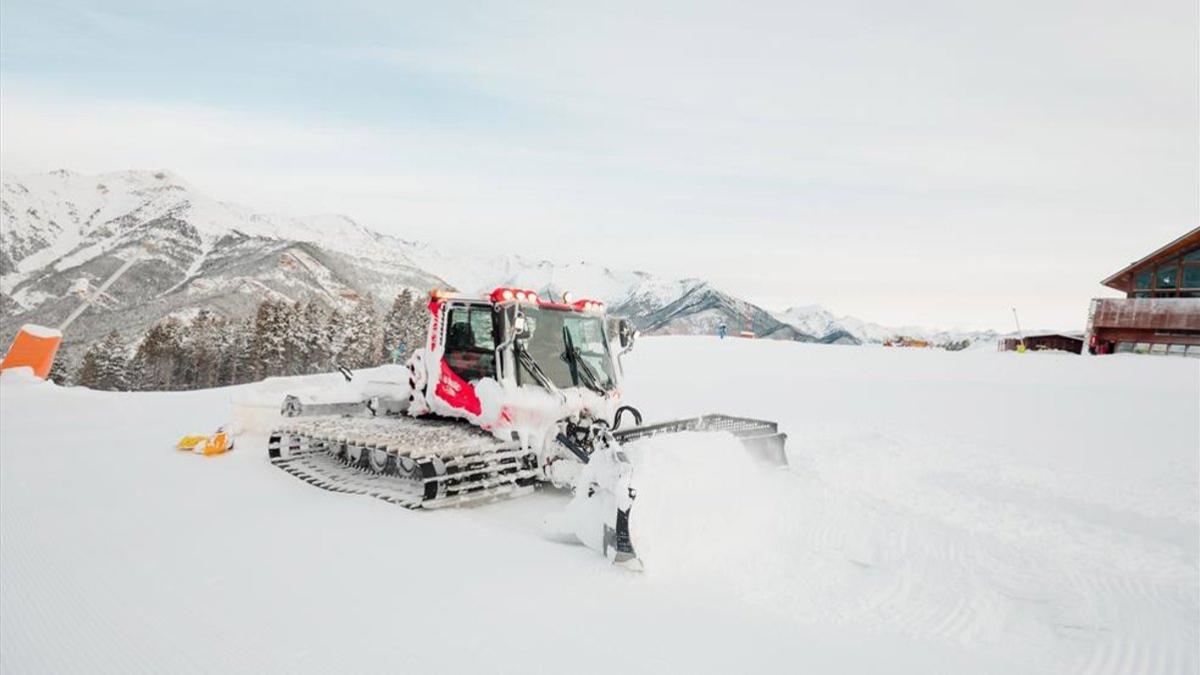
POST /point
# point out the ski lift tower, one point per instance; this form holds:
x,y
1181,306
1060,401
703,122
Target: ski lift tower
x,y
1020,335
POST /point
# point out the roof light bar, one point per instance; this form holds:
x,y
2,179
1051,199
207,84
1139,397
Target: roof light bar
x,y
588,305
509,294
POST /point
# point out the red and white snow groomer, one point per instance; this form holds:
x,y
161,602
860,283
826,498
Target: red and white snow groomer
x,y
510,392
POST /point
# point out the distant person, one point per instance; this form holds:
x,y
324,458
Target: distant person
x,y
721,330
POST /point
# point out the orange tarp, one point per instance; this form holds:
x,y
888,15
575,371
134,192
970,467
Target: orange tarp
x,y
34,347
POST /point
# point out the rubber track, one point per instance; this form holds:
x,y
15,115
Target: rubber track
x,y
429,463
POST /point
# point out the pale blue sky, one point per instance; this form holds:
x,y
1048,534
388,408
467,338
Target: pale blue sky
x,y
974,156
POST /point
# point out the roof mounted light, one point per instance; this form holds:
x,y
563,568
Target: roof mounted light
x,y
586,305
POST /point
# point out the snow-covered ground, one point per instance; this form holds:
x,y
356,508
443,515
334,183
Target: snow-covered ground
x,y
944,512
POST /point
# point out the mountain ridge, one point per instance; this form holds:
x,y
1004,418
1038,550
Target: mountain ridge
x,y
59,227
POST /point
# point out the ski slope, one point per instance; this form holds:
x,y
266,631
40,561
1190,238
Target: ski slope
x,y
971,512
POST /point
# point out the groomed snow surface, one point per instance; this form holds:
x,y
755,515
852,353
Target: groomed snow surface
x,y
944,513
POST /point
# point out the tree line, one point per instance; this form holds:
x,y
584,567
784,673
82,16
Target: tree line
x,y
281,338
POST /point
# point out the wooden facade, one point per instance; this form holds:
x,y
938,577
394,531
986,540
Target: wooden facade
x,y
1160,313
1047,342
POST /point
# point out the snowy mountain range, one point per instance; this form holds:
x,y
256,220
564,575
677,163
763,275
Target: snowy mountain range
x,y
64,232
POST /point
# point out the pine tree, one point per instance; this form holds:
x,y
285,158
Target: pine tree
x,y
272,325
404,325
202,351
241,358
416,326
336,336
307,339
113,363
59,373
104,365
393,323
233,352
394,334
366,336
156,361
88,374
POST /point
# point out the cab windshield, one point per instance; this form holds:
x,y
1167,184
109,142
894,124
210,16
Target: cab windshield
x,y
553,332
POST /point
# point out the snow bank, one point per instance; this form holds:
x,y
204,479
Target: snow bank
x,y
972,512
21,376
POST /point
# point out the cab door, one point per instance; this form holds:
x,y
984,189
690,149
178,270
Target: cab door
x,y
470,341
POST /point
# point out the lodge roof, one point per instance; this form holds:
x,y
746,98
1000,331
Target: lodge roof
x,y
1122,279
1069,336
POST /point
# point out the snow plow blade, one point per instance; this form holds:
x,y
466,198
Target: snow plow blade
x,y
761,438
294,407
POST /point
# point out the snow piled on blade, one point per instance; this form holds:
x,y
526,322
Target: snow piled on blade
x,y
705,508
712,520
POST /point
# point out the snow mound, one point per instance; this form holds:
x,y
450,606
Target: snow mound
x,y
952,512
21,376
705,506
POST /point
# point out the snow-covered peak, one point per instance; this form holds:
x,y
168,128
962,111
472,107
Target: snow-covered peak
x,y
479,274
61,219
818,321
56,223
811,319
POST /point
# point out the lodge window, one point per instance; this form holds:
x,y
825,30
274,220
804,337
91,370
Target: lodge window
x,y
470,346
1166,277
1179,277
1189,273
1155,348
1142,281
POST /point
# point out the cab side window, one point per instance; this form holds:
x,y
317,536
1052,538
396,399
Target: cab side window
x,y
470,347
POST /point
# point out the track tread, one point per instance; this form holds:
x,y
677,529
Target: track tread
x,y
449,463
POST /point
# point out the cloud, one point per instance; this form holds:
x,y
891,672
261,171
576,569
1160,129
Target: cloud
x,y
933,162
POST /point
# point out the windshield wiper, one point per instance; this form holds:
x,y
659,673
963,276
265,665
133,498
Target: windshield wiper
x,y
534,369
580,365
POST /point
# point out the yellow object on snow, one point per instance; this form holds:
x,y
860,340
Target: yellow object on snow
x,y
189,443
217,444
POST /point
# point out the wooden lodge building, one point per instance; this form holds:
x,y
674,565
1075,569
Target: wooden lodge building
x,y
1062,342
1160,313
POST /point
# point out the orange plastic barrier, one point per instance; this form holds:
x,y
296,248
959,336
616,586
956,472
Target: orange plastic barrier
x,y
34,347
